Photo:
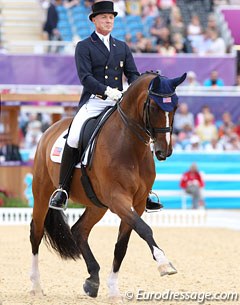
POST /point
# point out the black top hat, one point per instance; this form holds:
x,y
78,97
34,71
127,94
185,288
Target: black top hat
x,y
102,7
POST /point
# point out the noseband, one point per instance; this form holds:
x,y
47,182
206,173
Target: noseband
x,y
148,129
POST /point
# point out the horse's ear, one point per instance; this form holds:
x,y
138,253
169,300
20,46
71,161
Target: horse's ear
x,y
178,80
155,83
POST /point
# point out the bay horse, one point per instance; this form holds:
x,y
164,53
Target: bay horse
x,y
122,175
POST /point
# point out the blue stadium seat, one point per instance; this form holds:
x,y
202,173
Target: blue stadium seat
x,y
147,24
133,25
119,30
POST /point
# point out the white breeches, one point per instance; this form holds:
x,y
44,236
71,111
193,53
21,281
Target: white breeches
x,y
92,108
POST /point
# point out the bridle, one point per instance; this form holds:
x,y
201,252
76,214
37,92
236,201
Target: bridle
x,y
147,129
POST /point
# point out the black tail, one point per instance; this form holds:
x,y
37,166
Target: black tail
x,y
58,235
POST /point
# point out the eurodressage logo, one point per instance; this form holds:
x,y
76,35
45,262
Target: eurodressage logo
x,y
199,297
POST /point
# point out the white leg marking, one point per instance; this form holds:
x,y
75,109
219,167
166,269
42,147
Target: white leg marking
x,y
168,135
35,276
113,285
159,256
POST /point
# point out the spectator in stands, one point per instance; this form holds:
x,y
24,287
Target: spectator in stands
x,y
194,27
71,3
133,7
194,30
191,80
88,3
129,41
181,44
140,44
185,135
229,140
150,9
237,128
214,80
159,30
205,109
217,44
176,22
203,44
182,118
120,7
149,47
166,49
208,130
226,126
192,182
194,143
50,25
214,145
166,7
102,86
234,143
212,22
33,135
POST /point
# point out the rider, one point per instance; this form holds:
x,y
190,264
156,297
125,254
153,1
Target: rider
x,y
101,61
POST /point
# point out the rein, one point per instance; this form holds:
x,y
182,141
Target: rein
x,y
148,129
134,126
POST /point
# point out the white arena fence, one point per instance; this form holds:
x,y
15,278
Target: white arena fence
x,y
164,218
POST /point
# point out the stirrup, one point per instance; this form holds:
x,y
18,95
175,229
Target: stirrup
x,y
158,203
66,201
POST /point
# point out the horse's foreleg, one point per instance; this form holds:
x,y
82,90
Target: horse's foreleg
x,y
131,217
81,231
119,253
145,232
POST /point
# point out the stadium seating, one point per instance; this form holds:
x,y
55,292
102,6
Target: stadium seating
x,y
20,20
220,172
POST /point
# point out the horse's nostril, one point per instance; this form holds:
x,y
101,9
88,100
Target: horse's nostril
x,y
160,155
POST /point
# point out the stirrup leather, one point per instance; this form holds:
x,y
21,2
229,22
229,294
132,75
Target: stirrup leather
x,y
66,201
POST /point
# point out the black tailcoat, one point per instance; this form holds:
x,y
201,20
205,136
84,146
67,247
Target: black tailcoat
x,y
98,68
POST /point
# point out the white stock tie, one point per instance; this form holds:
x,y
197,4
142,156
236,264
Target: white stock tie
x,y
105,41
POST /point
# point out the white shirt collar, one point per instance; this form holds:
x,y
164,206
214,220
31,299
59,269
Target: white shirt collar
x,y
107,37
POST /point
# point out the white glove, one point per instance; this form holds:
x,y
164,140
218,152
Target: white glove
x,y
113,94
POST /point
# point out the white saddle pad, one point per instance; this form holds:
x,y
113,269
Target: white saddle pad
x,y
57,149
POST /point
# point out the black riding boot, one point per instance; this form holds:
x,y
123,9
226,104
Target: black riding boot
x,y
59,198
152,206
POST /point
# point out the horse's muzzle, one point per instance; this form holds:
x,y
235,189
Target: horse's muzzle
x,y
162,155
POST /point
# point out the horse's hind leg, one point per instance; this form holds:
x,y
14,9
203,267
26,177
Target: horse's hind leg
x,y
37,227
119,253
81,231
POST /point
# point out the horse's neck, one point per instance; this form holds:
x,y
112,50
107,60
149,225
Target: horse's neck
x,y
132,105
135,98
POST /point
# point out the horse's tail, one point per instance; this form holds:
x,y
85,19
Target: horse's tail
x,y
58,235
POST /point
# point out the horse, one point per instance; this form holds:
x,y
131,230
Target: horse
x,y
122,174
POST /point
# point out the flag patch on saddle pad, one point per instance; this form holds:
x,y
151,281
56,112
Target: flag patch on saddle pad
x,y
57,151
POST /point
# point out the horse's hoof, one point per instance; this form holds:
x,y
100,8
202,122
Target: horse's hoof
x,y
167,269
91,288
116,299
38,293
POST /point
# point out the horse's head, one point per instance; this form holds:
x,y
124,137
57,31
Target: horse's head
x,y
159,111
